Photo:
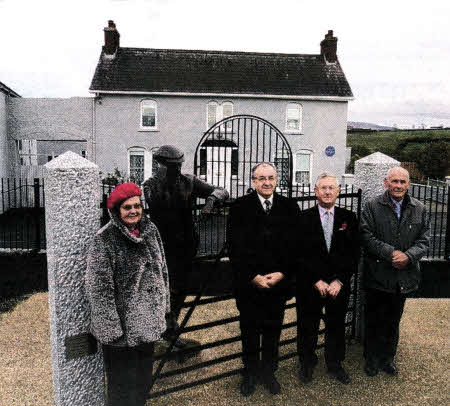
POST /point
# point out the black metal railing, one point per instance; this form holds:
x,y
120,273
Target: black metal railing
x,y
22,219
437,200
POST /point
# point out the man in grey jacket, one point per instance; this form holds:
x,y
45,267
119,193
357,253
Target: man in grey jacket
x,y
394,235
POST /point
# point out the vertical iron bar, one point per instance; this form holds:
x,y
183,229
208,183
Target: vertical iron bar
x,y
20,192
9,193
441,215
257,144
245,149
447,228
3,196
430,211
37,199
15,193
435,235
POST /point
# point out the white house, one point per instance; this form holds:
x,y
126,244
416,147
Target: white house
x,y
145,98
148,97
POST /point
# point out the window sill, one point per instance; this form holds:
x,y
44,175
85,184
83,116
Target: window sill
x,y
148,130
294,132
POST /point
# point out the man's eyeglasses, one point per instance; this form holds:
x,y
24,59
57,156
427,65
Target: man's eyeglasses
x,y
128,207
325,188
263,178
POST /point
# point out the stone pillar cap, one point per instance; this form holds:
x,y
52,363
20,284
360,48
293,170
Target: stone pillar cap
x,y
378,158
70,160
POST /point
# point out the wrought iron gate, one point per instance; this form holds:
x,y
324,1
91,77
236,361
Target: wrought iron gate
x,y
227,152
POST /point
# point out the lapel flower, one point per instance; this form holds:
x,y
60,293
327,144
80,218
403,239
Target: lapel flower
x,y
343,227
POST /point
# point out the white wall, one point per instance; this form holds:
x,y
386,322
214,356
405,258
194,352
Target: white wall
x,y
182,121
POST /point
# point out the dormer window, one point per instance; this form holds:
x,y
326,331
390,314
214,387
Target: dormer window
x,y
217,112
148,114
294,117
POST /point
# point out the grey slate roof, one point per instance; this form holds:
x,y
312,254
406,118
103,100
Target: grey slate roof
x,y
193,71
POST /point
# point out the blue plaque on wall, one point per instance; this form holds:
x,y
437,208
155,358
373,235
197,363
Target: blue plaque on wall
x,y
330,151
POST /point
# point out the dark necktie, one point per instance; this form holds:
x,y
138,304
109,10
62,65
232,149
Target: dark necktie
x,y
267,204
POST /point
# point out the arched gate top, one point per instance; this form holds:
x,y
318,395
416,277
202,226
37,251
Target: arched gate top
x,y
230,148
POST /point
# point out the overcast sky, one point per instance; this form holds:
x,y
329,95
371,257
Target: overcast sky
x,y
395,54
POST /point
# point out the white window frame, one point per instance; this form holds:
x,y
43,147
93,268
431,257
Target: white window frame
x,y
145,103
219,112
309,152
147,160
299,108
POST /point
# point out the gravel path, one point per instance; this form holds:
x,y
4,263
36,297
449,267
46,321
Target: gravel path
x,y
423,361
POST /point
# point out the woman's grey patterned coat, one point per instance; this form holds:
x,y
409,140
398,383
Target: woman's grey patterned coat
x,y
127,284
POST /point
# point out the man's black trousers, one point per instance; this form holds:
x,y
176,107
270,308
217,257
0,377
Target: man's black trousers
x,y
383,312
128,374
261,316
309,305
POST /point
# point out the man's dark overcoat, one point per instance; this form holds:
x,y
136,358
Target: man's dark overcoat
x,y
317,263
261,243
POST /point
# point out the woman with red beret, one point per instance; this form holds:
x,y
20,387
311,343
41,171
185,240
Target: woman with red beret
x,y
128,291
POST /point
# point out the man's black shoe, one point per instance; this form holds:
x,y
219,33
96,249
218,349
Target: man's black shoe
x,y
390,368
305,373
271,384
370,369
248,385
340,374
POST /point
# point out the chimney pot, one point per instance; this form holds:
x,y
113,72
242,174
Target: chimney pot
x,y
112,38
328,47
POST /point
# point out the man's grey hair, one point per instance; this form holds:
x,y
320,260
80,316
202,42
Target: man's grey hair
x,y
327,175
397,169
263,164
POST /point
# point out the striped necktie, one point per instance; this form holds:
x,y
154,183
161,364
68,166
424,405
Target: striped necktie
x,y
267,204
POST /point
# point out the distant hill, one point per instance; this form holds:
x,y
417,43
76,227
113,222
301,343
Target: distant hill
x,y
367,126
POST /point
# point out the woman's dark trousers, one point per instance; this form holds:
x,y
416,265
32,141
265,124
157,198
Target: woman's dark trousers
x,y
128,373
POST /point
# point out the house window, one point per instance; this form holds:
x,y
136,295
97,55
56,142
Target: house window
x,y
154,162
136,169
217,112
303,165
27,150
293,117
282,165
148,114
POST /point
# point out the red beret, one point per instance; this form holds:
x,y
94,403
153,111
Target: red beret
x,y
123,192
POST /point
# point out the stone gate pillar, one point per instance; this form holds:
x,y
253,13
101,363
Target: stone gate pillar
x,y
72,217
370,172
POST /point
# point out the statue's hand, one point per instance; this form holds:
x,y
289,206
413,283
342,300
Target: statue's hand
x,y
208,207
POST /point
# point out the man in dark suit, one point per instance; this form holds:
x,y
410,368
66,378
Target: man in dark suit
x,y
260,233
329,255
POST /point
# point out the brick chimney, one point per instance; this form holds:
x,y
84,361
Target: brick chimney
x,y
112,38
328,47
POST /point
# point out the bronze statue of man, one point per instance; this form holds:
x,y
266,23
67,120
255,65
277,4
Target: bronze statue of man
x,y
170,196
